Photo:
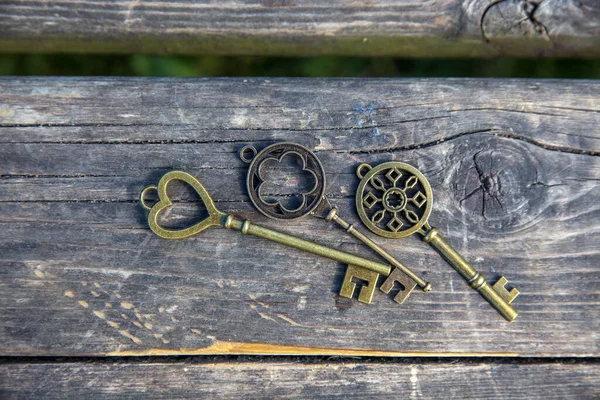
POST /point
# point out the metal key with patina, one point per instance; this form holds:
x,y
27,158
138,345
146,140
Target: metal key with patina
x,y
394,200
366,269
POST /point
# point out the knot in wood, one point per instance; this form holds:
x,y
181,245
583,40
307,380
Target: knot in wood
x,y
494,182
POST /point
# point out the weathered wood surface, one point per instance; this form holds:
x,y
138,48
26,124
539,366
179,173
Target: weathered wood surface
x,y
442,28
290,379
83,275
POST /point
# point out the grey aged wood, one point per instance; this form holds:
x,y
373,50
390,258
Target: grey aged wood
x,y
83,275
442,28
291,379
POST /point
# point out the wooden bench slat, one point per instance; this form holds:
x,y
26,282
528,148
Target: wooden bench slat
x,y
83,275
293,379
443,28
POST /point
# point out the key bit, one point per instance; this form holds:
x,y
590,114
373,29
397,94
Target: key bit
x,y
353,273
406,285
500,288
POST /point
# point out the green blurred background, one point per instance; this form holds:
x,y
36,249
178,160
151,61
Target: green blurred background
x,y
149,65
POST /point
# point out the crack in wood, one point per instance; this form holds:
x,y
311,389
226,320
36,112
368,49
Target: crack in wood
x,y
493,131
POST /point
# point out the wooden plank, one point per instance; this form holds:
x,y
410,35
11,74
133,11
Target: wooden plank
x,y
443,28
291,379
83,275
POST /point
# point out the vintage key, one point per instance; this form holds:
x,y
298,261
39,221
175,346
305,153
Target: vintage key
x,y
394,200
316,203
217,217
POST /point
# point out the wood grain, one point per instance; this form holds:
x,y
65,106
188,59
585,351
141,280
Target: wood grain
x,y
83,275
440,28
291,379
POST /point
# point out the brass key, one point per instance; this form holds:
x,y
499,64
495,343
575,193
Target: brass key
x,y
217,217
316,203
391,203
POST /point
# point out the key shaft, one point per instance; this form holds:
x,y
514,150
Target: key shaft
x,y
475,279
248,228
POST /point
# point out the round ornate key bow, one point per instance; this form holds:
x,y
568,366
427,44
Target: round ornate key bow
x,y
256,179
393,199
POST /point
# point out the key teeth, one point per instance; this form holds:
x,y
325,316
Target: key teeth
x,y
366,292
407,283
499,287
